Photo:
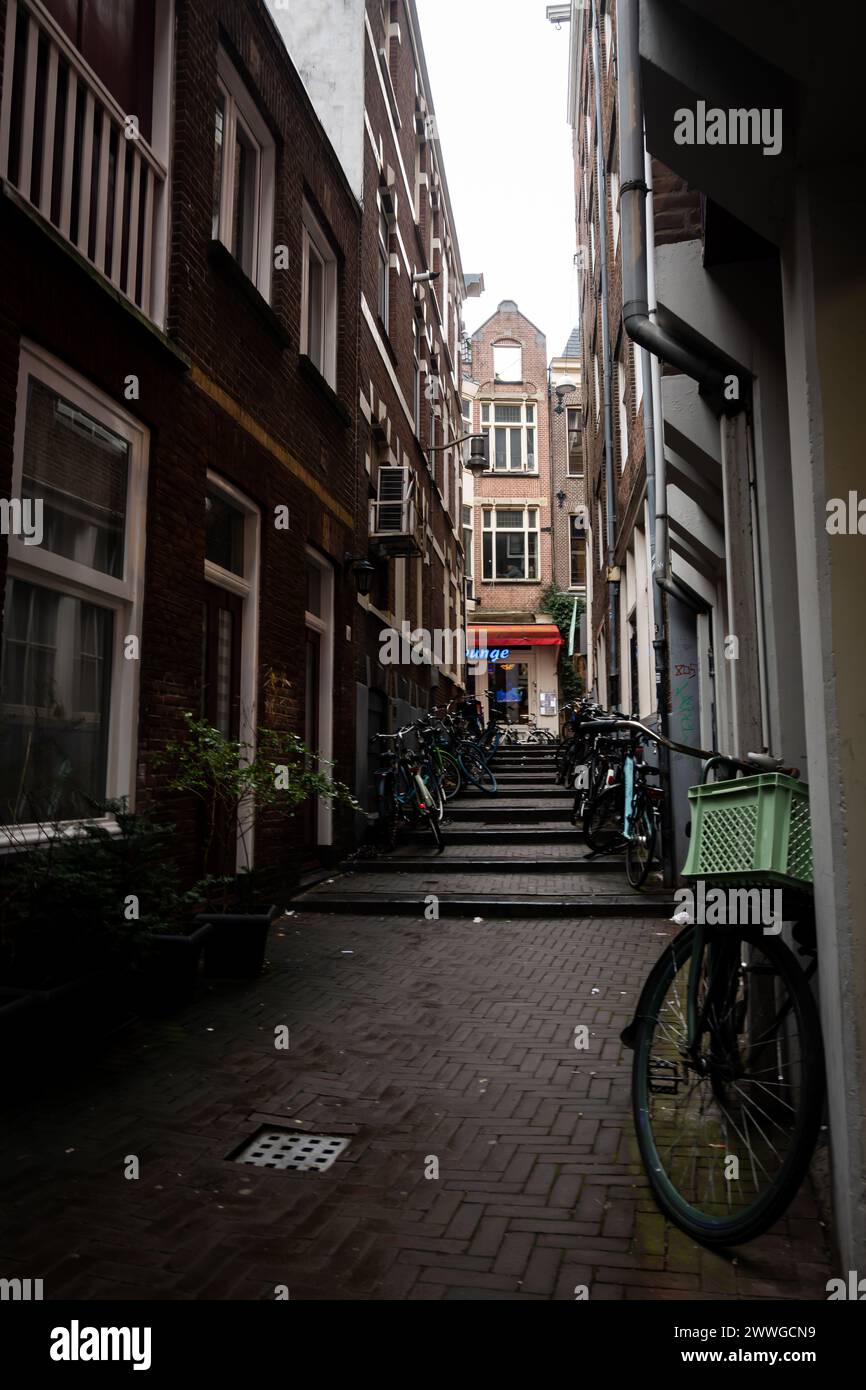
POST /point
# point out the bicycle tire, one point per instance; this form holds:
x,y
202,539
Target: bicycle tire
x,y
476,771
450,776
602,820
640,846
710,1228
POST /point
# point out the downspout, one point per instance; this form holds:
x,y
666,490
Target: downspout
x,y
638,312
610,491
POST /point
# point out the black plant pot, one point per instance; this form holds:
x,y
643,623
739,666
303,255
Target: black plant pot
x,y
167,977
235,950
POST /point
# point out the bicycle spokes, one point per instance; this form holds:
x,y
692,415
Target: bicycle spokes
x,y
723,1106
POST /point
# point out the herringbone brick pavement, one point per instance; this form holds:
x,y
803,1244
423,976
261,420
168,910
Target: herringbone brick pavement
x,y
421,1041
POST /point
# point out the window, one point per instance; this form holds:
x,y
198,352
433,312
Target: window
x,y
511,440
614,207
510,543
637,364
384,267
416,379
466,408
243,179
319,299
623,415
577,552
230,624
597,385
467,541
507,362
68,686
575,444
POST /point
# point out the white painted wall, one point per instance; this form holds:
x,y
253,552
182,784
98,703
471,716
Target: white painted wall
x,y
327,44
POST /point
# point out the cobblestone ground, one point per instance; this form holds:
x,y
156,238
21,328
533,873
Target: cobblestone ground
x,y
416,1039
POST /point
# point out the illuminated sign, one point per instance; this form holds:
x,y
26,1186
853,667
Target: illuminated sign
x,y
488,653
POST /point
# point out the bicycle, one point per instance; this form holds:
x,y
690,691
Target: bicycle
x,y
728,1069
403,794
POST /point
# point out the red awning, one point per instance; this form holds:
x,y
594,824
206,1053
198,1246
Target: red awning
x,y
519,635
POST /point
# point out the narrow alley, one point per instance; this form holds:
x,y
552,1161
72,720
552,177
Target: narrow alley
x,y
487,1157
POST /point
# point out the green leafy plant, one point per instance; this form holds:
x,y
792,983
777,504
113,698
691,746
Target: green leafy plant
x,y
88,897
233,782
560,606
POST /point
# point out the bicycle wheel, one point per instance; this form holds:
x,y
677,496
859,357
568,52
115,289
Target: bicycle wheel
x,y
751,1088
476,771
602,819
640,846
450,776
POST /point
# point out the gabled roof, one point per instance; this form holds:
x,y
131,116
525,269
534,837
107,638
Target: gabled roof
x,y
508,306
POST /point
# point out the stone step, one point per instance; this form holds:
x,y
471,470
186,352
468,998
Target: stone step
x,y
492,864
632,906
537,833
494,812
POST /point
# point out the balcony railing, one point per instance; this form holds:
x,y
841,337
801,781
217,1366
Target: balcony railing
x,y
69,150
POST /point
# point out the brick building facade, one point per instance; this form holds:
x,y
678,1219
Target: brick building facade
x,y
412,289
721,316
507,400
572,531
213,256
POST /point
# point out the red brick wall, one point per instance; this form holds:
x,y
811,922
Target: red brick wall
x,y
511,326
238,345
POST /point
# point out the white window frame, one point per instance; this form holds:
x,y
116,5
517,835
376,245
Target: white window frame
x,y
490,528
572,582
246,586
324,626
623,415
574,409
512,348
124,596
524,425
240,109
315,242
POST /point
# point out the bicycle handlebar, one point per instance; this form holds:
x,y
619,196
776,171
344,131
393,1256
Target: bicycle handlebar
x,y
756,762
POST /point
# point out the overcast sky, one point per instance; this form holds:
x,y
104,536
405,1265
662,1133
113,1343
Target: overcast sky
x,y
499,73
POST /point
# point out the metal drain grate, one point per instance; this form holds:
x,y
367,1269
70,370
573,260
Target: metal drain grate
x,y
285,1148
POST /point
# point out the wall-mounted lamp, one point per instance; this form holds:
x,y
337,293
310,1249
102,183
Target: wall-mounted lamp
x,y
478,462
363,572
564,388
560,497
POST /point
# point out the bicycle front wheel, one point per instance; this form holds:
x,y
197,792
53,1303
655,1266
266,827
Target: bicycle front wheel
x,y
476,770
640,846
602,819
450,776
726,1127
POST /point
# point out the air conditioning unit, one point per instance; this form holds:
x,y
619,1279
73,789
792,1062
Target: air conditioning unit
x,y
394,514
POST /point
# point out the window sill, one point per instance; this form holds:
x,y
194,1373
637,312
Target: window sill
x,y
386,339
222,258
309,369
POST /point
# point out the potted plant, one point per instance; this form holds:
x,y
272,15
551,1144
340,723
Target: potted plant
x,y
91,920
234,782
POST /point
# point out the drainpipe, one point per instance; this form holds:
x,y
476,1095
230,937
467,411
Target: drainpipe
x,y
610,493
710,370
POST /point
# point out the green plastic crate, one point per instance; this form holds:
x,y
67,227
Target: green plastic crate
x,y
751,832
